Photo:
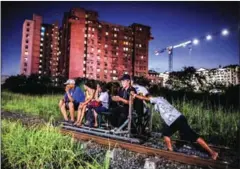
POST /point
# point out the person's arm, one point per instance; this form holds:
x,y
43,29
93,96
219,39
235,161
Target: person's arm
x,y
140,97
90,98
68,94
96,93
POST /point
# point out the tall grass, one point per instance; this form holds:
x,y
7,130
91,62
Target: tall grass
x,y
44,106
216,125
43,147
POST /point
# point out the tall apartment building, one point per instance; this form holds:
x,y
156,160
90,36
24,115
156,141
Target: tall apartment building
x,y
30,50
100,50
40,47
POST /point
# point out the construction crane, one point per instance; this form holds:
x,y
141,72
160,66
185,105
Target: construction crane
x,y
170,52
189,43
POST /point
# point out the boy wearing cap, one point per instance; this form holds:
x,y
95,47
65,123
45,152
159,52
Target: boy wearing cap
x,y
72,98
175,121
120,113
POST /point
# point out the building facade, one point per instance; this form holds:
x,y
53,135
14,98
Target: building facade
x,y
225,76
154,77
100,50
30,50
40,48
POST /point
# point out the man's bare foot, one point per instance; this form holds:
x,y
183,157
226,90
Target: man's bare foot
x,y
214,155
95,125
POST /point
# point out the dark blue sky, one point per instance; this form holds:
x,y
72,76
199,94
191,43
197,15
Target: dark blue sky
x,y
171,23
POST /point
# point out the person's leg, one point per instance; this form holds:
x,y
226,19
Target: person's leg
x,y
192,136
82,114
95,118
204,145
78,114
168,143
167,132
71,110
122,117
63,109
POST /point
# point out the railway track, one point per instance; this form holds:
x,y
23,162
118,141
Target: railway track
x,y
178,157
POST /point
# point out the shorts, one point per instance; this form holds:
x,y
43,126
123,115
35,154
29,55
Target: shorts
x,y
76,104
181,125
100,109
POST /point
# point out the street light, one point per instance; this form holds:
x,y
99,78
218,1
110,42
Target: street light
x,y
225,32
208,37
195,41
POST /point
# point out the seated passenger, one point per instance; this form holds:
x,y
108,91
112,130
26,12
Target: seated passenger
x,y
89,89
175,121
121,111
102,96
72,98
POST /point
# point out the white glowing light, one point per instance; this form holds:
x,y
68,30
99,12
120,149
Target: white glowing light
x,y
208,37
195,41
225,32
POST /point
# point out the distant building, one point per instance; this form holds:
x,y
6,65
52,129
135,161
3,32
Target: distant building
x,y
154,77
40,48
226,76
165,77
30,51
100,50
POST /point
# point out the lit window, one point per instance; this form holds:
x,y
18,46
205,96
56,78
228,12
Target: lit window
x,y
40,55
92,49
41,39
115,41
115,35
84,69
98,70
85,42
141,57
42,28
42,33
99,26
98,58
126,43
115,78
114,71
105,71
140,29
93,29
40,49
92,36
84,62
40,66
85,35
40,71
99,50
116,53
26,53
84,55
106,46
126,49
86,15
25,59
140,45
106,33
41,44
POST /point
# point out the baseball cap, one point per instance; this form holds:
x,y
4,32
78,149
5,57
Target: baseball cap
x,y
70,81
125,77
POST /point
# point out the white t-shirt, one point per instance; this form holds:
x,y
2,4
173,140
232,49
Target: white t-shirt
x,y
168,113
140,89
104,98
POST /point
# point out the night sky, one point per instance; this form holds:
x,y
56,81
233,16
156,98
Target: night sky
x,y
171,23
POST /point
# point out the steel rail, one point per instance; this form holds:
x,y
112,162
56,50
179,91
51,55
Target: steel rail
x,y
178,157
